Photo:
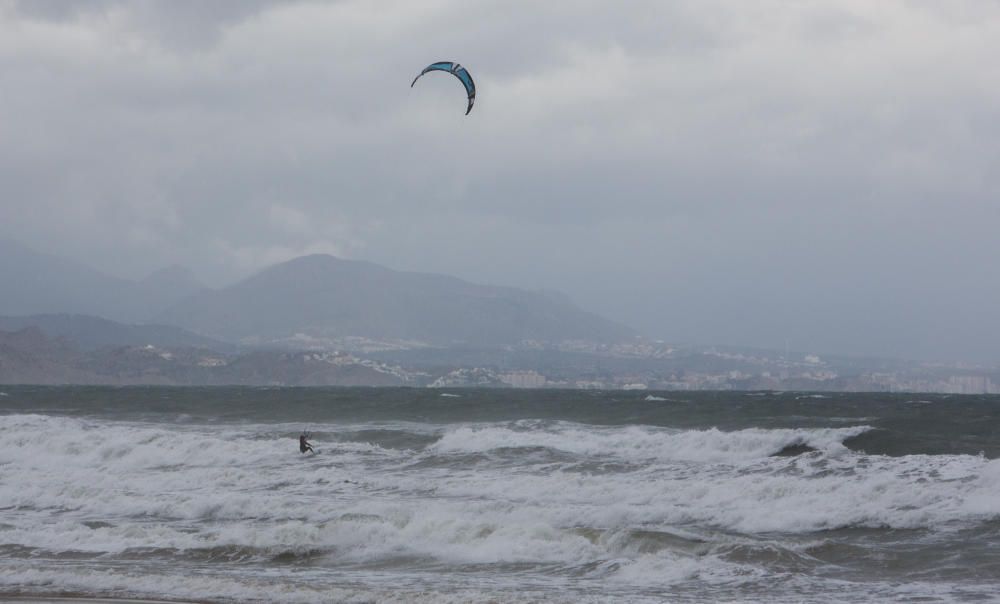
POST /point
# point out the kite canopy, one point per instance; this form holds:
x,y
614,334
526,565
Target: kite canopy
x,y
459,72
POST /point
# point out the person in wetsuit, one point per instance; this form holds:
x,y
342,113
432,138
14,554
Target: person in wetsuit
x,y
304,444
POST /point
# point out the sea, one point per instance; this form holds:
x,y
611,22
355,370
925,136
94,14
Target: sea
x,y
495,496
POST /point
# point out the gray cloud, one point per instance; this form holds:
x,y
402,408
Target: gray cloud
x,y
823,172
177,25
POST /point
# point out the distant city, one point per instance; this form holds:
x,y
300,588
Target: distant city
x,y
30,356
655,365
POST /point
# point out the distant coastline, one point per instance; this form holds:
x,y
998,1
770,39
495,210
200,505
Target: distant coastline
x,y
31,356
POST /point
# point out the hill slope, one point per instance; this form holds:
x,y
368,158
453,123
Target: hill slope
x,y
35,283
91,333
324,296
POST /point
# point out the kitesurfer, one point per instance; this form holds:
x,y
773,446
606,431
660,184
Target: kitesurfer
x,y
304,444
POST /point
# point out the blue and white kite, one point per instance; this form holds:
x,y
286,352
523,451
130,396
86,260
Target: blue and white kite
x,y
459,72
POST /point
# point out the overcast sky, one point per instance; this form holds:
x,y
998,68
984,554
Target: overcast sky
x,y
825,173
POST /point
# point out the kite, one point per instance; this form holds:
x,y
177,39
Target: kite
x,y
459,72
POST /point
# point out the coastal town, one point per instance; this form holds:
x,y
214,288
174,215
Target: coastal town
x,y
31,356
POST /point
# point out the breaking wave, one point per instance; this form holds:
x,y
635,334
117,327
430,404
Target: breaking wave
x,y
527,505
644,443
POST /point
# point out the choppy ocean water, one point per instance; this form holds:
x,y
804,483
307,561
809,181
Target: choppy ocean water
x,y
498,495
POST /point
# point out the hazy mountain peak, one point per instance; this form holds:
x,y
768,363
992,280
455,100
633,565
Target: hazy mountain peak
x,y
325,296
315,258
38,282
320,262
41,283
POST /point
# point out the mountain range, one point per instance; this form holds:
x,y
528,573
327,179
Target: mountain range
x,y
325,296
321,320
37,283
317,297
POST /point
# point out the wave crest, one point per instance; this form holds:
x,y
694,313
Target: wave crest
x,y
637,443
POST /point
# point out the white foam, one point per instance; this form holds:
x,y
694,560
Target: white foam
x,y
199,586
645,443
70,484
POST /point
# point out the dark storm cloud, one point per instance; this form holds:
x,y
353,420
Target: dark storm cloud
x,y
824,172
